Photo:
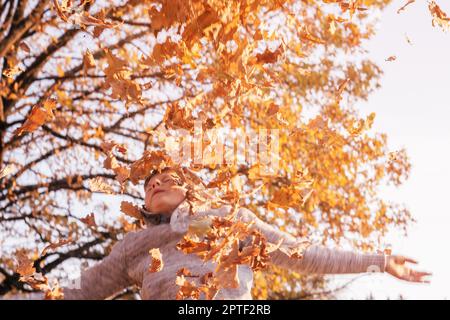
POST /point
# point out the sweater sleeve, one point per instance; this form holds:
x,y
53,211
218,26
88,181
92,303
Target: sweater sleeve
x,y
313,258
102,280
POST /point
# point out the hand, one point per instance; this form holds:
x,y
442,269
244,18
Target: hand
x,y
396,266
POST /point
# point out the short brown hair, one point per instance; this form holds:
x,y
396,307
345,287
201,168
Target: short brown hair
x,y
154,172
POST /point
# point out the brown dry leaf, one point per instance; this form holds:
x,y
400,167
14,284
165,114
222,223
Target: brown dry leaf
x,y
61,242
99,185
156,263
122,174
357,127
110,162
88,60
54,293
439,17
11,72
89,220
408,39
130,209
405,5
85,19
187,289
306,35
270,56
110,145
151,160
38,116
185,272
25,265
272,109
393,156
226,274
208,287
118,78
200,227
296,251
342,86
24,46
61,9
332,27
178,118
6,170
391,58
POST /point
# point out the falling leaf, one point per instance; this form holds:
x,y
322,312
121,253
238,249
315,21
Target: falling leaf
x,y
187,289
110,145
54,292
89,220
23,45
130,210
39,115
439,17
151,160
270,56
6,170
97,184
272,109
61,9
118,78
185,272
357,127
295,251
332,27
88,60
200,227
405,5
61,242
342,85
25,265
156,263
84,19
391,58
11,72
408,39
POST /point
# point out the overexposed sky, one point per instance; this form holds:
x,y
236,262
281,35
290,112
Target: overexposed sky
x,y
413,108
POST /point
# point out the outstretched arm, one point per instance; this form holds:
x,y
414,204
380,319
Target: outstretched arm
x,y
102,280
322,260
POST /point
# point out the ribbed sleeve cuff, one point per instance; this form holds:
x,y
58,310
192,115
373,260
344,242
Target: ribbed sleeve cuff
x,y
375,262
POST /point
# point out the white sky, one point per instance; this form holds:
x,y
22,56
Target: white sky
x,y
413,108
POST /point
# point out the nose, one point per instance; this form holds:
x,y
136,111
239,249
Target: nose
x,y
155,184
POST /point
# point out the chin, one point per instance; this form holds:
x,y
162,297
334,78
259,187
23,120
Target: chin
x,y
164,204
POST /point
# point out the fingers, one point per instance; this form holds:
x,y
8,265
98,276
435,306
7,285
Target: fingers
x,y
402,259
407,259
417,276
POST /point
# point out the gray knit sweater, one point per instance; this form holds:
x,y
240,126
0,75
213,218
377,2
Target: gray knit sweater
x,y
129,260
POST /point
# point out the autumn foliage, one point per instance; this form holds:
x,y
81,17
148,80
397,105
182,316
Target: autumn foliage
x,y
90,92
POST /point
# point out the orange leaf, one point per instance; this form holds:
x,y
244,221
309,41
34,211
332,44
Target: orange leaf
x,y
89,220
38,116
405,5
25,265
391,58
156,264
58,244
439,17
130,210
6,170
98,185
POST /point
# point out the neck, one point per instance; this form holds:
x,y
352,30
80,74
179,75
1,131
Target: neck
x,y
148,212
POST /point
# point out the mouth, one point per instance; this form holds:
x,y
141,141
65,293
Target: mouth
x,y
157,191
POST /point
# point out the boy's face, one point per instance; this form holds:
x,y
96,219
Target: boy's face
x,y
162,192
